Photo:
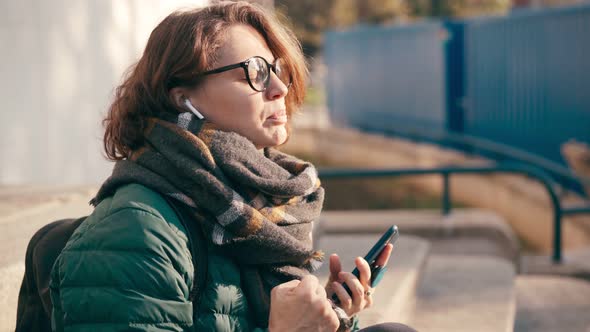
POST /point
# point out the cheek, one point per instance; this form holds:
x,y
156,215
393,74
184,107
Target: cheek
x,y
249,109
236,109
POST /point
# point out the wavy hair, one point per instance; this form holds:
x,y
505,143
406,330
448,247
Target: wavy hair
x,y
183,45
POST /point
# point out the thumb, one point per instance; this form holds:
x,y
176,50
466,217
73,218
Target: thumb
x,y
335,266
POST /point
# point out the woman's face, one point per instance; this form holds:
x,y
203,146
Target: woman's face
x,y
227,100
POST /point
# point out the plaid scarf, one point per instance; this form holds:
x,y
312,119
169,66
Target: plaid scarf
x,y
258,208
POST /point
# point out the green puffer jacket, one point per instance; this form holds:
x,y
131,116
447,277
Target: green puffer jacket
x,y
128,267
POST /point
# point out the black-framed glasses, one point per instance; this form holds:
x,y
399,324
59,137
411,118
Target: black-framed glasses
x,y
257,71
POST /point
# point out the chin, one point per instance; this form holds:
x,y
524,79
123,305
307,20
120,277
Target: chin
x,y
281,140
277,138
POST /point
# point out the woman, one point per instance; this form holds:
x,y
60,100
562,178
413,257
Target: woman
x,y
196,120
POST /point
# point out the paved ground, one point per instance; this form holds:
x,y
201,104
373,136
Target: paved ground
x,y
22,213
16,200
465,293
10,280
549,303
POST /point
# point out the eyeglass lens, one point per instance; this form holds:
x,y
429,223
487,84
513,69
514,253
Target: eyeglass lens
x,y
259,75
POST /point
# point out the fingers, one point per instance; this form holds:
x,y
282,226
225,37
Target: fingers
x,y
384,256
289,284
311,290
369,299
345,299
301,303
285,287
355,286
321,291
358,301
364,271
335,267
331,317
308,285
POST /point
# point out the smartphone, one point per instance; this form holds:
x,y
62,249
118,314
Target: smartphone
x,y
390,236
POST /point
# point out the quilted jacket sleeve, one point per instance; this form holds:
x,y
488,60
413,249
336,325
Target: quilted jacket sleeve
x,y
126,271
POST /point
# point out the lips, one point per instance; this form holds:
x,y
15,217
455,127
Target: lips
x,y
278,116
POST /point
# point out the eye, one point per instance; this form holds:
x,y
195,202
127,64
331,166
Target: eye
x,y
258,73
254,69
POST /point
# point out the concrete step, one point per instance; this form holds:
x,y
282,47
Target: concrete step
x,y
397,291
575,263
465,293
463,231
551,303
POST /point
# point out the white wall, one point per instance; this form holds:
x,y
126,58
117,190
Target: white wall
x,y
60,61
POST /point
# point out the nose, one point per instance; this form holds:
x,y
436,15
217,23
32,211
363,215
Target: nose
x,y
276,88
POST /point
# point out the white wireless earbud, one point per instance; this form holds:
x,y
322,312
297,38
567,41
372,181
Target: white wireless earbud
x,y
191,108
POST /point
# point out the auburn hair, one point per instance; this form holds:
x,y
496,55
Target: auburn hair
x,y
183,45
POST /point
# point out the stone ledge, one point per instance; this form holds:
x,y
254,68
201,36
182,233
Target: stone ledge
x,y
464,231
549,303
466,293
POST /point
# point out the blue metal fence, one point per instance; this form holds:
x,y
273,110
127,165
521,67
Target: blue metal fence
x,y
527,79
384,75
522,80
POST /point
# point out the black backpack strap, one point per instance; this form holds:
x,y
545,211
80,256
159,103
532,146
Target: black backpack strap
x,y
198,246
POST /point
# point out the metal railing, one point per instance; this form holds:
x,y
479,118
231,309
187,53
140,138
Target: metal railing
x,y
541,176
500,152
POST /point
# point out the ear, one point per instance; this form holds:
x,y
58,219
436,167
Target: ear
x,y
177,95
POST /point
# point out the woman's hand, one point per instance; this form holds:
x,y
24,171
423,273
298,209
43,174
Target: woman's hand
x,y
360,287
298,306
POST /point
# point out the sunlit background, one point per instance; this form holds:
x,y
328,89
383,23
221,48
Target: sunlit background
x,y
61,61
394,84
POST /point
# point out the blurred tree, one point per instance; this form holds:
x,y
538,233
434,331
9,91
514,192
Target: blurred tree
x,y
457,8
382,11
310,18
426,8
